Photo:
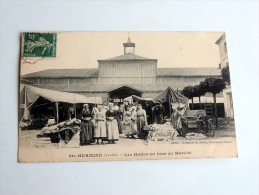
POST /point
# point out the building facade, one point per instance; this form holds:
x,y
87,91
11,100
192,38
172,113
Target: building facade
x,y
227,93
119,77
223,52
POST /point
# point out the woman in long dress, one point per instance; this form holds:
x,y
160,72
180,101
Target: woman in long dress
x,y
176,121
141,121
120,118
128,124
87,127
94,111
100,131
133,121
112,125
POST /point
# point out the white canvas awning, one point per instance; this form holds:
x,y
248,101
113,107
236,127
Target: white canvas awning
x,y
33,93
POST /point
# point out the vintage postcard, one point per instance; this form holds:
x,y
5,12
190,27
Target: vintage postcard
x,y
104,96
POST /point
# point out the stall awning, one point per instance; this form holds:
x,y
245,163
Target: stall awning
x,y
170,95
33,93
134,98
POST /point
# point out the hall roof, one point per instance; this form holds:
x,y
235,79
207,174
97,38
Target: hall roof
x,y
77,88
93,73
63,73
126,57
207,71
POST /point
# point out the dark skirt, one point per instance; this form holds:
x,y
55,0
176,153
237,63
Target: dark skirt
x,y
140,124
86,133
120,126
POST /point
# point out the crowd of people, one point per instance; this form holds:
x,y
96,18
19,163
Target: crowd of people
x,y
104,123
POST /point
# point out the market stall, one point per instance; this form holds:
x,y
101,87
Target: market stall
x,y
171,100
175,105
162,132
41,105
62,131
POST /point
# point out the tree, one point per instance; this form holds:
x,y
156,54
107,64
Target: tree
x,y
202,88
214,85
188,92
198,91
225,74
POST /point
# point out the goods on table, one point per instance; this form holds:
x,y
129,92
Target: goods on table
x,y
195,136
162,132
64,130
23,125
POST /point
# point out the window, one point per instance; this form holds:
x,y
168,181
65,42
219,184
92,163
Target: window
x,y
225,47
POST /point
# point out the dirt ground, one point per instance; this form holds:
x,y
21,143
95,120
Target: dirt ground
x,y
29,138
226,128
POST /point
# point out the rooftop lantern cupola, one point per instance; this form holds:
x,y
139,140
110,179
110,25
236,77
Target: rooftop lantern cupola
x,y
129,47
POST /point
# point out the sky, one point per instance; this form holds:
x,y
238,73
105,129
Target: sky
x,y
76,50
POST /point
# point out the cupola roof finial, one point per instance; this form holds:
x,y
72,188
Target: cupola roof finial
x,y
129,41
129,47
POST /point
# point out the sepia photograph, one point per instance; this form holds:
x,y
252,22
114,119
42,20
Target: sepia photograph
x,y
129,97
102,96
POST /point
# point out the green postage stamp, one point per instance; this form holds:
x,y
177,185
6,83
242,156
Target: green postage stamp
x,y
37,44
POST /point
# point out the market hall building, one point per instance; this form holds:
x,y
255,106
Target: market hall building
x,y
119,77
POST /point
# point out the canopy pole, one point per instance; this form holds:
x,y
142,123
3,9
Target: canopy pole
x,y
25,114
57,112
75,109
74,105
170,105
178,98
